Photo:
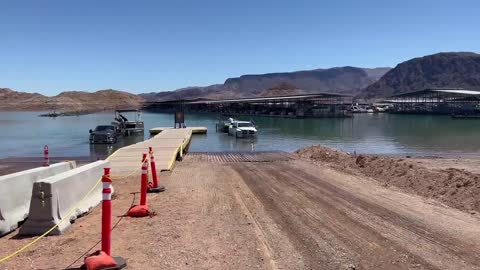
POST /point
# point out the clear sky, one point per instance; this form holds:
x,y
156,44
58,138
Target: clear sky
x,y
49,46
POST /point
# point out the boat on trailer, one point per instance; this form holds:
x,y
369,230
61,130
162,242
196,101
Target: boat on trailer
x,y
125,124
224,125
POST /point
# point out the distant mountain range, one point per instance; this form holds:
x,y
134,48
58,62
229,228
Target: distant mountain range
x,y
68,101
442,70
341,80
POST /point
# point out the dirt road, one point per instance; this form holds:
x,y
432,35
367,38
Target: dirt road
x,y
269,211
334,221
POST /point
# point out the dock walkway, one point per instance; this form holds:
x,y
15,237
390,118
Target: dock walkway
x,y
167,145
195,130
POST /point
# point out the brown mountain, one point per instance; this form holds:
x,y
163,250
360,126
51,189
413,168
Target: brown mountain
x,y
283,89
442,70
68,101
12,100
342,80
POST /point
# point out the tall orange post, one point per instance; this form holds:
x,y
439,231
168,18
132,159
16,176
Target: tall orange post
x,y
46,159
106,211
154,171
154,187
144,180
103,259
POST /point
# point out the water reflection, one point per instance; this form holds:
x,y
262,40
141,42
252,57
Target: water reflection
x,y
101,151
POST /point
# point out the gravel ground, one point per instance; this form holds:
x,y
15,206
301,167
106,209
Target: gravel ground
x,y
289,214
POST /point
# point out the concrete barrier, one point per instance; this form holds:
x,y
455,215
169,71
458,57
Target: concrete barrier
x,y
16,192
53,198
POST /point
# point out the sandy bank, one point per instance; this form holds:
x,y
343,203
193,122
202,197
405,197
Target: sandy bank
x,y
454,182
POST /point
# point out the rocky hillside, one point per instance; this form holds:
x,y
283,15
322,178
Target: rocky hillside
x,y
68,101
283,89
342,80
442,70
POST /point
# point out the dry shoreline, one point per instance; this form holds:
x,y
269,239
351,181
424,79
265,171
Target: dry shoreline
x,y
454,182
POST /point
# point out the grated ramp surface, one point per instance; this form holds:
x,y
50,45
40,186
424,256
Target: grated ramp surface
x,y
224,157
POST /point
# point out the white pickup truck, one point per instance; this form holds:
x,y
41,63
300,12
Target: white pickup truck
x,y
242,129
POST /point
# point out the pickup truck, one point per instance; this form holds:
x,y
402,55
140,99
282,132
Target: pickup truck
x,y
242,129
104,134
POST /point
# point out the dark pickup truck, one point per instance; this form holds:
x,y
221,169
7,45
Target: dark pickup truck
x,y
104,134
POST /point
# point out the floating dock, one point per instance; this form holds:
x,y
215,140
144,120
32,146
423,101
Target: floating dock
x,y
195,130
168,144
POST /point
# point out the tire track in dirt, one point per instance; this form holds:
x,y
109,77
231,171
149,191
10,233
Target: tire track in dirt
x,y
277,248
317,208
322,254
408,230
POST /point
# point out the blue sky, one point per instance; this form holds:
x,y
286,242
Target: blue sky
x,y
142,46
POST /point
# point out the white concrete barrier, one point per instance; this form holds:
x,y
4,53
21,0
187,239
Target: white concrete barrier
x,y
16,192
53,198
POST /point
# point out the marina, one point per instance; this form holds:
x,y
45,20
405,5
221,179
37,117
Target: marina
x,y
321,105
455,102
238,174
336,135
382,133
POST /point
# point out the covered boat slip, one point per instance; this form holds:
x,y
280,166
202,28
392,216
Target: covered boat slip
x,y
292,106
167,145
438,101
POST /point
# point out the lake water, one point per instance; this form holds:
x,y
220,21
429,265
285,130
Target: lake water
x,y
24,134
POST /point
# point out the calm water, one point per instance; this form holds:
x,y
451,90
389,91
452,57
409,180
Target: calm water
x,y
24,134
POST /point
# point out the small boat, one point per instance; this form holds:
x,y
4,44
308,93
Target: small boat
x,y
129,127
52,114
223,126
358,109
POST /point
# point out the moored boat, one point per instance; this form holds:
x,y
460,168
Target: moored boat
x,y
129,127
223,125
